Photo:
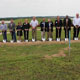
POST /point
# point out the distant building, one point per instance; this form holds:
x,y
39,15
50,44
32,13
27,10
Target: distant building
x,y
6,22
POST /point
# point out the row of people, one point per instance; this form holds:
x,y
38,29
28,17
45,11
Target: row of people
x,y
45,27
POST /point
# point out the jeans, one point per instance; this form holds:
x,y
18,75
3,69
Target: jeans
x,y
4,33
13,35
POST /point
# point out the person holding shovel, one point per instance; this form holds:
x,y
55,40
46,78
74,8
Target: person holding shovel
x,y
76,24
3,27
26,27
58,25
67,26
19,31
34,24
49,30
12,27
43,29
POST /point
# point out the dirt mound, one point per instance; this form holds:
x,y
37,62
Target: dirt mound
x,y
60,54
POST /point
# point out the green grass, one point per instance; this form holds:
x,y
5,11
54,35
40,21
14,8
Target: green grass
x,y
28,63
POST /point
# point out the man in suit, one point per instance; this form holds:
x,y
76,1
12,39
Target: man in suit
x,y
67,26
43,29
58,25
49,30
76,24
11,27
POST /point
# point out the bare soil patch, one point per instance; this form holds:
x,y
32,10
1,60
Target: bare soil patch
x,y
60,54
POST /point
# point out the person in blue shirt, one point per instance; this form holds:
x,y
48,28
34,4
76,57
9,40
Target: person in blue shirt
x,y
3,27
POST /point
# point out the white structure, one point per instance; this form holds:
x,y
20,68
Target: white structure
x,y
7,22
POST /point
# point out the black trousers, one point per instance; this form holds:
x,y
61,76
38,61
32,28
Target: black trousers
x,y
26,35
58,33
66,33
76,32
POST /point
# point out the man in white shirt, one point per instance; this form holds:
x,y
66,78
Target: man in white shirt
x,y
76,23
34,24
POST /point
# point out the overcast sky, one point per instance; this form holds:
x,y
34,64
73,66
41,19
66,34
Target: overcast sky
x,y
19,8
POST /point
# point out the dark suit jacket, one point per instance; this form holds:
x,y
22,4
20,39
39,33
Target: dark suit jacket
x,y
58,24
25,26
51,26
42,25
12,26
69,23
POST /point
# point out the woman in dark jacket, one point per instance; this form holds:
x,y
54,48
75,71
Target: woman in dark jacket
x,y
26,27
19,31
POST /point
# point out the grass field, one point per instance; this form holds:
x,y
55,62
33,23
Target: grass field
x,y
28,62
35,61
